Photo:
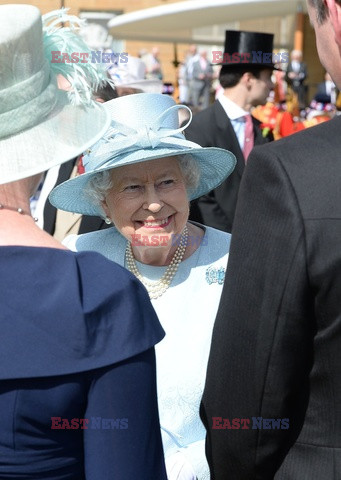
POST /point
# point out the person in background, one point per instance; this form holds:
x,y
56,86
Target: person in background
x,y
191,57
228,122
153,65
320,110
200,85
328,88
275,356
182,82
296,76
141,176
77,370
131,78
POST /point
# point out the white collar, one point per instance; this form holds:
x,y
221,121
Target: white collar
x,y
233,111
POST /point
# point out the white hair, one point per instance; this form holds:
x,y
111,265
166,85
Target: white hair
x,y
101,182
296,53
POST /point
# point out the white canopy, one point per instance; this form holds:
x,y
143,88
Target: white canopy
x,y
175,22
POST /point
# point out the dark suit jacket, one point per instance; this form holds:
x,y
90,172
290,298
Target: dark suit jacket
x,y
295,83
321,89
322,92
212,128
88,223
276,348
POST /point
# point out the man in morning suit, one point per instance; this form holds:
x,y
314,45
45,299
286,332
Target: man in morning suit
x,y
200,86
246,83
275,360
296,75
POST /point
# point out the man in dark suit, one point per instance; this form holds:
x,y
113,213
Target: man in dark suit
x,y
327,89
246,83
200,86
296,75
272,400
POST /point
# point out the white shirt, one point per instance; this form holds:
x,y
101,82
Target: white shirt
x,y
295,65
330,90
236,115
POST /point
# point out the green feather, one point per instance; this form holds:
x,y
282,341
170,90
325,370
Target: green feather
x,y
83,77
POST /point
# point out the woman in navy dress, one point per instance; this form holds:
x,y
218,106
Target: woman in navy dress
x,y
77,365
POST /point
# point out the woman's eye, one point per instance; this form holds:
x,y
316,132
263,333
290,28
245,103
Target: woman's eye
x,y
131,188
167,182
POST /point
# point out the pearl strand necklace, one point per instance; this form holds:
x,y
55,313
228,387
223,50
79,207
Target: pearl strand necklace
x,y
158,288
18,210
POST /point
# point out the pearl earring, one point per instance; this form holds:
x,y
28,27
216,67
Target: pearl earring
x,y
108,220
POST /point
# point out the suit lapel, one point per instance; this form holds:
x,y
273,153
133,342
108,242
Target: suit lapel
x,y
50,211
258,136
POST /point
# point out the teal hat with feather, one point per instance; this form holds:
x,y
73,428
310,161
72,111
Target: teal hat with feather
x,y
40,125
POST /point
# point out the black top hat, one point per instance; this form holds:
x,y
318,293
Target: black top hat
x,y
249,49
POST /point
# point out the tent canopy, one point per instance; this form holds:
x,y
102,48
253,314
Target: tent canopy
x,y
175,22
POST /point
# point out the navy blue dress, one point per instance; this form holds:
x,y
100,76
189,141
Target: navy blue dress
x,y
77,369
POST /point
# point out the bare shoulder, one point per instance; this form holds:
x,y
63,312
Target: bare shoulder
x,y
26,234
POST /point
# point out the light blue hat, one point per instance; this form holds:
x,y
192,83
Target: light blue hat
x,y
144,127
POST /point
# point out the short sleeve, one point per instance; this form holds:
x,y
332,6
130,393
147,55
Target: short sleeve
x,y
123,439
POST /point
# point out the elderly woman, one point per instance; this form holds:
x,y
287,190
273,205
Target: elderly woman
x,y
141,177
77,391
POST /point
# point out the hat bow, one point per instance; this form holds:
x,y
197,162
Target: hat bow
x,y
122,138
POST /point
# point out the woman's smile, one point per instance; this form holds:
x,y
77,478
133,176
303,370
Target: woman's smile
x,y
156,223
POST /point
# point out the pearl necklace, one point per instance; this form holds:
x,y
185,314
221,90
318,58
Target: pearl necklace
x,y
18,210
158,288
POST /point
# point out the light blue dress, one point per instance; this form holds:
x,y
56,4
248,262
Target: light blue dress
x,y
186,311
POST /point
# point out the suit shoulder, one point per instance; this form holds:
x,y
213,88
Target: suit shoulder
x,y
204,125
310,161
256,121
203,115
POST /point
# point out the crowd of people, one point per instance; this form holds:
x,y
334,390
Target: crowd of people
x,y
170,297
